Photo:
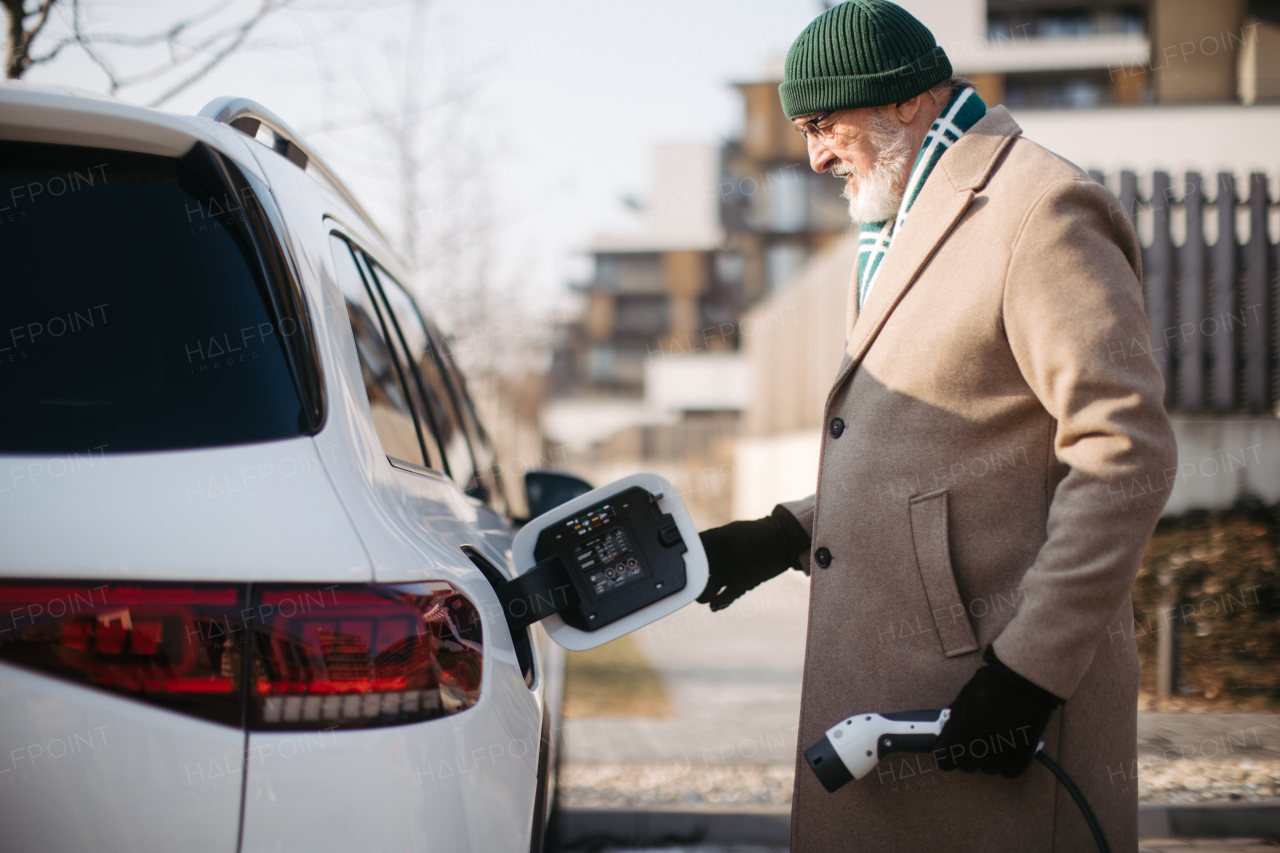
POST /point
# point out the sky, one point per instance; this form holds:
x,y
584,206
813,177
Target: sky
x,y
538,117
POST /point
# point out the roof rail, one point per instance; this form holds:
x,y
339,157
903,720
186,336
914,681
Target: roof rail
x,y
248,116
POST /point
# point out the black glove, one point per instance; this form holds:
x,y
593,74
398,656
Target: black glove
x,y
744,554
996,722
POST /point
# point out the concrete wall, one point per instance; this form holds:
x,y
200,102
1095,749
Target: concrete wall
x,y
1226,137
1194,48
1047,54
770,469
1220,461
794,340
697,382
1258,72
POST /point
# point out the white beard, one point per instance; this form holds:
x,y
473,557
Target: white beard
x,y
878,195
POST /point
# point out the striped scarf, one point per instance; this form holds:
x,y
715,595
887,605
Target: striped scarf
x,y
961,113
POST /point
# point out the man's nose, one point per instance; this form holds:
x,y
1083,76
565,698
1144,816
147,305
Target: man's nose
x,y
820,157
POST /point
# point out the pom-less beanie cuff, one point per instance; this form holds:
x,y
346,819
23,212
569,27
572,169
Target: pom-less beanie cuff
x,y
860,53
809,95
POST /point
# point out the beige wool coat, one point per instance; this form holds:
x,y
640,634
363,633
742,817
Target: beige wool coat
x,y
1003,458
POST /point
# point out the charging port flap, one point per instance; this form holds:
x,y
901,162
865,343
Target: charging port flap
x,y
606,563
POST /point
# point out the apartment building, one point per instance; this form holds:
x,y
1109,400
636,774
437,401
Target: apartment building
x,y
651,290
721,229
1033,54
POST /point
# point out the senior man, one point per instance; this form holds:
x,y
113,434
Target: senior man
x,y
989,451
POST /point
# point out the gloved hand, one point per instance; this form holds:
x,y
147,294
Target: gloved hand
x,y
996,722
744,554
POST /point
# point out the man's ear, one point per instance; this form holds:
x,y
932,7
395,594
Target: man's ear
x,y
908,110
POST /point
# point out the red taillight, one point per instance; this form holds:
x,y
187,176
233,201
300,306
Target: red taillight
x,y
362,656
177,646
337,656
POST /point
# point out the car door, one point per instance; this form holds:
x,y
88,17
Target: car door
x,y
476,525
420,785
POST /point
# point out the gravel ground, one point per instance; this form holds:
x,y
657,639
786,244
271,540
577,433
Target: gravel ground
x,y
1206,845
751,848
1153,845
626,786
727,737
613,786
747,848
1209,780
1150,845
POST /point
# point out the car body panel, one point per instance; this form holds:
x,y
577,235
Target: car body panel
x,y
412,524
84,769
63,115
399,513
127,515
457,783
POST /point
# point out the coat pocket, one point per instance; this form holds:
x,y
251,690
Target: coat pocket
x,y
933,558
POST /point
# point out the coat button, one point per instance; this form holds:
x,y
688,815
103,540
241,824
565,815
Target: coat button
x,y
837,427
823,557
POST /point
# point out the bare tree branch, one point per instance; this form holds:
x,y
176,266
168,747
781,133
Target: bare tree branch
x,y
169,35
214,47
14,62
20,36
78,35
241,33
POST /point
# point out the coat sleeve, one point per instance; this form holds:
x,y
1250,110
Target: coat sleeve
x,y
1074,317
803,511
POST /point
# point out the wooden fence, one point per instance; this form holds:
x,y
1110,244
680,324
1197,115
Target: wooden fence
x,y
1212,306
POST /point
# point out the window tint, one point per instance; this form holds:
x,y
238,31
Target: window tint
x,y
135,313
392,415
486,458
438,408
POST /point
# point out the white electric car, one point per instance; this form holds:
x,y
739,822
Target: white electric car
x,y
250,525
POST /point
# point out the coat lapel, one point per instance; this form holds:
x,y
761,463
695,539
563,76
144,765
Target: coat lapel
x,y
946,195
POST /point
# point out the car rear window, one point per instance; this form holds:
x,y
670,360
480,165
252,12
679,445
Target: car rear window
x,y
135,312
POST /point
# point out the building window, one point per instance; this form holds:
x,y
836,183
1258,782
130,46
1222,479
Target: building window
x,y
786,201
1059,90
629,273
645,316
1010,20
600,364
828,209
782,262
729,266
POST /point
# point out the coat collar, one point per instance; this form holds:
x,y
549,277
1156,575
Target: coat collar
x,y
964,168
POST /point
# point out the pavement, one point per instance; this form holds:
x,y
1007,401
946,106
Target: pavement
x,y
729,746
1155,845
1210,845
733,678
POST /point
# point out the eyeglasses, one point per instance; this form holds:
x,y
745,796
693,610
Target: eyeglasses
x,y
811,129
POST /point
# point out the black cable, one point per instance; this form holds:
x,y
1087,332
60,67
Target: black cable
x,y
1078,797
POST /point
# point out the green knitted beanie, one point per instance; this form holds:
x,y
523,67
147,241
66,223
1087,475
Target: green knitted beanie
x,y
860,53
